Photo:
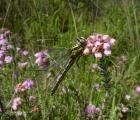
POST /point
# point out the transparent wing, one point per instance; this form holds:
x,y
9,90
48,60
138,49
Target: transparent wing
x,y
57,57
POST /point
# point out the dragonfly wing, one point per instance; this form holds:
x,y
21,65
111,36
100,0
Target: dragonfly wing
x,y
57,59
58,56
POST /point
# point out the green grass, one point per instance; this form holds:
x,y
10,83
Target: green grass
x,y
40,24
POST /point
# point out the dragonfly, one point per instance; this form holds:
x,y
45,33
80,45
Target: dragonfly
x,y
75,54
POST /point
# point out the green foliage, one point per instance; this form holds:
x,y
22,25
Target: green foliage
x,y
41,24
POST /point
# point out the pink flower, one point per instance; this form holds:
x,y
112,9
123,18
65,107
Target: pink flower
x,y
3,42
98,110
86,51
32,99
97,87
17,103
138,89
95,66
89,45
2,36
18,49
42,59
4,47
2,55
10,47
112,41
98,55
28,84
106,38
106,46
25,53
7,33
91,110
93,50
107,52
39,54
22,65
91,39
99,45
2,51
39,61
20,88
1,110
8,59
98,37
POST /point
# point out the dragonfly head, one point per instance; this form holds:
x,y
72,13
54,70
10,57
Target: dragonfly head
x,y
81,41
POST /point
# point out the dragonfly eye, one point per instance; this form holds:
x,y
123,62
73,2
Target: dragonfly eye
x,y
81,40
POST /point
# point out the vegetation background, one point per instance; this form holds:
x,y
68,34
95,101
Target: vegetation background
x,y
39,24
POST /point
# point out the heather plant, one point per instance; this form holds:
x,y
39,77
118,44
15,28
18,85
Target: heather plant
x,y
101,83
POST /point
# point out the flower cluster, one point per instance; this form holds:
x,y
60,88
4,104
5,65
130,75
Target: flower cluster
x,y
25,55
21,87
21,56
91,110
99,45
4,47
26,85
42,59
